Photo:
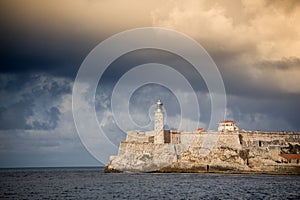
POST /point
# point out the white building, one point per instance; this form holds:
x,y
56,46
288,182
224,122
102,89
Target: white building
x,y
227,125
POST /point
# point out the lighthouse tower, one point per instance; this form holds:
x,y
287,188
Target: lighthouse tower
x,y
159,123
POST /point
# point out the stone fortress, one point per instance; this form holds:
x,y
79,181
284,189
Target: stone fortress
x,y
228,150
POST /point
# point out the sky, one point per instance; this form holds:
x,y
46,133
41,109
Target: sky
x,y
254,43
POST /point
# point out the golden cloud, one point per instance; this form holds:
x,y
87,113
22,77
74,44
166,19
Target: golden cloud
x,y
242,34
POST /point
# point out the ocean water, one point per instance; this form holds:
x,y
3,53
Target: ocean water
x,y
92,183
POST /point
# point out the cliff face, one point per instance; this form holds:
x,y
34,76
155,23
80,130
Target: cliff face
x,y
230,153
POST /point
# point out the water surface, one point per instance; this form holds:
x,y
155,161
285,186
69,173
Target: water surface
x,y
92,183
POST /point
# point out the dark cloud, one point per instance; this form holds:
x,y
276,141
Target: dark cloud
x,y
260,80
140,101
282,64
145,97
254,44
51,120
132,59
34,56
32,45
278,109
31,102
14,116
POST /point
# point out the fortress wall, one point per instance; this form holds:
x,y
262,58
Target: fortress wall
x,y
231,140
223,139
137,139
191,139
269,141
258,139
150,133
237,140
138,148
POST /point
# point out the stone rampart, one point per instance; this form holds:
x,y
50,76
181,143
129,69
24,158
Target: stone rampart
x,y
240,151
265,139
138,148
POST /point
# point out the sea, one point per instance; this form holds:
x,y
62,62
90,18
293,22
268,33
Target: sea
x,y
92,183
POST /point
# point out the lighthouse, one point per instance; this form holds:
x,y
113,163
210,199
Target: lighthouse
x,y
159,123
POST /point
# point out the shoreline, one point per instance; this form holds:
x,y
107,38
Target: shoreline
x,y
280,170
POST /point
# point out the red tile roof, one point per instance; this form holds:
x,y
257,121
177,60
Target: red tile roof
x,y
227,121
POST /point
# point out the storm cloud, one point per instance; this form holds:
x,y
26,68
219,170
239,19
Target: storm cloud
x,y
255,45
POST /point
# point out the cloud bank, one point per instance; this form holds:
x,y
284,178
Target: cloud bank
x,y
255,44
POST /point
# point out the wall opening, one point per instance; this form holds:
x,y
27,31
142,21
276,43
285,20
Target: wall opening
x,y
241,139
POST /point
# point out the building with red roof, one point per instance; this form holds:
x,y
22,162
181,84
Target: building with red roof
x,y
227,125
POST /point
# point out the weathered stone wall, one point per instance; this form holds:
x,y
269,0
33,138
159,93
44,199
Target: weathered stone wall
x,y
230,141
242,151
270,141
139,137
192,139
138,148
266,139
